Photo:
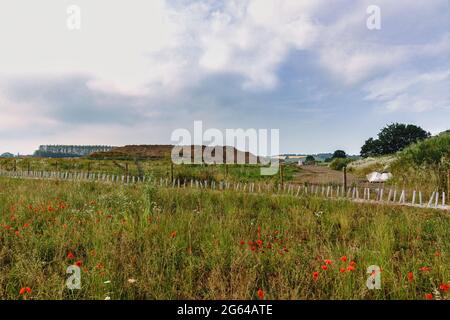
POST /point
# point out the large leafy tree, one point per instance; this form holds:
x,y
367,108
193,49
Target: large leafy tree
x,y
393,138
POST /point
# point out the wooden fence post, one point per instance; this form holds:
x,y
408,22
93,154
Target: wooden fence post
x,y
345,177
281,175
448,187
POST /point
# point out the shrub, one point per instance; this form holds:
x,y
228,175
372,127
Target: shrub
x,y
340,163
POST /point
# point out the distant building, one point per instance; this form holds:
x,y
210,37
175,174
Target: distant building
x,y
297,159
68,151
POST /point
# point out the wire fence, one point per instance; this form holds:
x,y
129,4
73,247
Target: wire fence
x,y
380,194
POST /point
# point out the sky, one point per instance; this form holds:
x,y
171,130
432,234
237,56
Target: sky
x,y
135,71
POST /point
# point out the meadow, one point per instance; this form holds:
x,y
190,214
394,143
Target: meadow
x,y
145,242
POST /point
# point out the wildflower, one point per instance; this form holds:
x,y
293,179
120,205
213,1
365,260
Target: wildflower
x,y
425,269
79,263
444,287
328,262
242,243
350,268
343,258
429,296
324,267
70,255
132,280
315,275
173,234
410,276
259,242
342,270
24,290
437,253
260,294
353,263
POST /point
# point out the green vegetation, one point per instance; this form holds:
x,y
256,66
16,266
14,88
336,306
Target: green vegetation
x,y
425,162
157,168
340,163
143,242
421,166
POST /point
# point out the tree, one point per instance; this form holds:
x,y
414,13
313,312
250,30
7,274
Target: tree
x,y
310,160
339,154
393,138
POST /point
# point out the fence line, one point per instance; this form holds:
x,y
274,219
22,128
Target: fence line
x,y
415,198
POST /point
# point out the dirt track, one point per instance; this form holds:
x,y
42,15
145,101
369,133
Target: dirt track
x,y
323,175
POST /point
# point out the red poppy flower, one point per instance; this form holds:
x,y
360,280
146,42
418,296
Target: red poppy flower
x,y
343,258
315,275
342,270
353,263
410,276
429,296
79,263
242,243
260,294
70,255
324,267
425,269
173,234
259,242
350,268
444,287
24,290
329,262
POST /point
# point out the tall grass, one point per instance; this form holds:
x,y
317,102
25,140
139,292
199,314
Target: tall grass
x,y
153,243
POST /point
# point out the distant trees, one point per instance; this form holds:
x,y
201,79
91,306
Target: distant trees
x,y
339,154
393,138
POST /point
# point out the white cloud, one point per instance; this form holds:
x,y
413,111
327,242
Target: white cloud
x,y
411,91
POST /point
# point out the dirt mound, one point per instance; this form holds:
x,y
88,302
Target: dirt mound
x,y
165,151
135,152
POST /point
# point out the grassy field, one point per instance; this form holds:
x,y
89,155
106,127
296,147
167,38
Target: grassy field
x,y
142,242
158,168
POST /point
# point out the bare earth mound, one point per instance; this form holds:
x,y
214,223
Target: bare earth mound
x,y
164,151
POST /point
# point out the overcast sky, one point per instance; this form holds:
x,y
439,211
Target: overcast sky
x,y
139,69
